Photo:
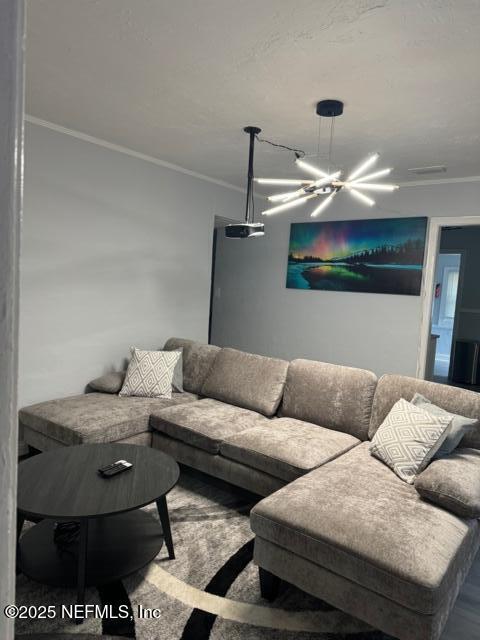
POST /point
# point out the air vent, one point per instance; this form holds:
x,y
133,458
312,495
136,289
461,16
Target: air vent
x,y
421,171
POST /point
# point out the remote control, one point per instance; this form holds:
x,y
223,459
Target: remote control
x,y
113,469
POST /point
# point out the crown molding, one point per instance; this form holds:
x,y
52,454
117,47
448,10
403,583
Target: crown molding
x,y
194,174
129,152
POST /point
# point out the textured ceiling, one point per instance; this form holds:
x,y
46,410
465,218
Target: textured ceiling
x,y
178,80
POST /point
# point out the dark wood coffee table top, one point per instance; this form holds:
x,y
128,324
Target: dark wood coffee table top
x,y
64,483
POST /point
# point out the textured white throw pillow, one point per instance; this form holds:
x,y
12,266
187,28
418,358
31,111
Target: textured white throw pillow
x,y
408,439
150,374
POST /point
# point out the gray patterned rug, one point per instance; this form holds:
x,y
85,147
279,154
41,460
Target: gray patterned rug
x,y
209,592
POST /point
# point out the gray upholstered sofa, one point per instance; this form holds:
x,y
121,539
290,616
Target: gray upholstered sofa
x,y
336,522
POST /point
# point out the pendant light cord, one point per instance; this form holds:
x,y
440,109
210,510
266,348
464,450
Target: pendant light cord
x,y
298,152
332,129
319,138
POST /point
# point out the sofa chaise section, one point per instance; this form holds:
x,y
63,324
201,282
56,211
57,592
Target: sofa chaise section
x,y
92,417
106,417
373,529
354,534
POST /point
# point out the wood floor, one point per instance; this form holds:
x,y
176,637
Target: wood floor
x,y
464,621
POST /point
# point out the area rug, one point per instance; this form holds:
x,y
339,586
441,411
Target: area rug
x,y
209,592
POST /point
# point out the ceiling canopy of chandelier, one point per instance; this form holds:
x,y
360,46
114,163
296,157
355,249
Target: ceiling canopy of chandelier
x,y
325,185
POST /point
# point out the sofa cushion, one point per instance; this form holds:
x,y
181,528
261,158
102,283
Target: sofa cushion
x,y
356,518
453,483
391,388
247,380
204,424
108,383
286,448
197,361
95,417
459,426
330,395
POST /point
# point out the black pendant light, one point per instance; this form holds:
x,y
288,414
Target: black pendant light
x,y
249,228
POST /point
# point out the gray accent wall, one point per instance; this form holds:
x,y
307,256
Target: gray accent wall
x,y
253,310
116,251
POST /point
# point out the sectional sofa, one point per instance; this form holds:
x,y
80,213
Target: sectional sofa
x,y
335,521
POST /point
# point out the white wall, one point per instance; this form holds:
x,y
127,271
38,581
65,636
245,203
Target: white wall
x,y
253,310
116,251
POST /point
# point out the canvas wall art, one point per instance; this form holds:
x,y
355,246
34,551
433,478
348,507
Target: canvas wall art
x,y
372,256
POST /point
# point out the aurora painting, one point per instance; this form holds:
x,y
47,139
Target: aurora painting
x,y
371,256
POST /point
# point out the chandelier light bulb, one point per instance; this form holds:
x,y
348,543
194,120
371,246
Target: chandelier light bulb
x,y
321,207
310,168
285,197
284,181
287,205
371,176
361,196
327,179
364,166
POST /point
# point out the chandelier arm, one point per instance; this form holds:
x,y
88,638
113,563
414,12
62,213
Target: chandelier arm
x,y
361,196
284,181
370,176
364,166
288,205
325,203
310,168
279,197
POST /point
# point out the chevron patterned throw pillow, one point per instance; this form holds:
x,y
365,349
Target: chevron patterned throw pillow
x,y
408,439
150,374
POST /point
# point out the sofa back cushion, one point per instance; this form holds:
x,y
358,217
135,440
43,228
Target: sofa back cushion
x,y
391,388
247,380
330,395
198,359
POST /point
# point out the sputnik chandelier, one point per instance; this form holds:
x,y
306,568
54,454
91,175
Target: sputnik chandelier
x,y
326,184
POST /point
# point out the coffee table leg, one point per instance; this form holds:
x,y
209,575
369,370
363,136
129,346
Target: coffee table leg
x,y
82,564
165,520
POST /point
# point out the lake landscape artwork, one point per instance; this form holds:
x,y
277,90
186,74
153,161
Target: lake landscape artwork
x,y
369,256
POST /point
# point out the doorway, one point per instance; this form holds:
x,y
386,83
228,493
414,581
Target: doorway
x,y
447,277
450,341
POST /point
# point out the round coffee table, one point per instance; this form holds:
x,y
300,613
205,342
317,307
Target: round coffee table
x,y
115,537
